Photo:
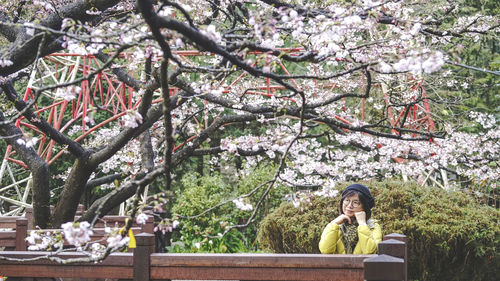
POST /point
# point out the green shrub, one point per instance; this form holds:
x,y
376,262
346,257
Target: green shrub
x,y
451,236
203,233
199,234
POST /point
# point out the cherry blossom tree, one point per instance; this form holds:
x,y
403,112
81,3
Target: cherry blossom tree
x,y
312,84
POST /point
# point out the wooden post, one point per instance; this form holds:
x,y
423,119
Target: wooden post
x,y
142,253
383,268
396,236
28,214
395,249
21,233
148,227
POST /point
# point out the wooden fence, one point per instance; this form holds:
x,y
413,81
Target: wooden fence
x,y
143,264
29,213
14,238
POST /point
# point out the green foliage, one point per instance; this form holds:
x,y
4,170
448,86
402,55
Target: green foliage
x,y
206,233
294,230
451,236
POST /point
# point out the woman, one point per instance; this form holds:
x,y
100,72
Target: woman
x,y
353,231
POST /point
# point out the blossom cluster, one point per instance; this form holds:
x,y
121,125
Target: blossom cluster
x,y
77,234
28,143
132,119
141,218
68,93
166,225
5,62
240,204
43,240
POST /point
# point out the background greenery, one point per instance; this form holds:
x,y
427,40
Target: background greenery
x,y
207,233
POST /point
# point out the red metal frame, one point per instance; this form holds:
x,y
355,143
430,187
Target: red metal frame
x,y
118,99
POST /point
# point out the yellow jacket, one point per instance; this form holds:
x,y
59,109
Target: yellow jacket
x,y
368,239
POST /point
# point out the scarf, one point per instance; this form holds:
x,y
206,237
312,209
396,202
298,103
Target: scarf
x,y
349,236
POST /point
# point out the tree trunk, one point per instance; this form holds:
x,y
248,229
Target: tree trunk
x,y
41,192
38,167
147,153
73,190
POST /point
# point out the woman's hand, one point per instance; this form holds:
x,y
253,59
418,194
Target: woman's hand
x,y
360,217
341,219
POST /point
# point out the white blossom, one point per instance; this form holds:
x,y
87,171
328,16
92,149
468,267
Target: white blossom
x,y
433,63
67,93
5,62
77,234
175,223
39,240
212,33
117,241
384,67
416,28
132,119
350,20
142,218
242,205
28,143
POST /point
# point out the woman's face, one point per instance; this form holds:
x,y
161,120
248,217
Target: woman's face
x,y
351,205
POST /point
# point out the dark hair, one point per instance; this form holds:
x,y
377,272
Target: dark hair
x,y
364,202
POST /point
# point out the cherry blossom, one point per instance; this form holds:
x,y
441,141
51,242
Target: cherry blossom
x,y
39,240
132,119
77,234
68,93
240,204
116,241
28,143
5,62
142,218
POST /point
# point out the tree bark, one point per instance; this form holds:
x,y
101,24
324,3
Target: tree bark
x,y
73,190
38,167
147,153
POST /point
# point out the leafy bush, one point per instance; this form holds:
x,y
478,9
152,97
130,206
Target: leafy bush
x,y
204,233
451,236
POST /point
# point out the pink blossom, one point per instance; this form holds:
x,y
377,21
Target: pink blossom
x,y
433,63
77,233
132,119
142,218
116,241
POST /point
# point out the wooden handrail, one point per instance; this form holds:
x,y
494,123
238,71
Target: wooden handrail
x,y
144,265
112,220
257,266
9,221
117,265
14,238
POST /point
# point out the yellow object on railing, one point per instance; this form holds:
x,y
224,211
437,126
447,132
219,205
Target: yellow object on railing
x,y
131,241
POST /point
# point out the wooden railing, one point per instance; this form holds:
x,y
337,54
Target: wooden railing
x,y
143,264
29,213
14,237
112,221
14,229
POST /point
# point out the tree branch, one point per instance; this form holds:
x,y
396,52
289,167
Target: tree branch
x,y
74,147
25,55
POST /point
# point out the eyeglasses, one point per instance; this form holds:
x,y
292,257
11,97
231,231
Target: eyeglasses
x,y
355,203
